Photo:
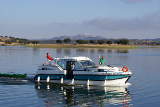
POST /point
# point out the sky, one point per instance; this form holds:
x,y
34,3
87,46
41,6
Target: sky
x,y
33,19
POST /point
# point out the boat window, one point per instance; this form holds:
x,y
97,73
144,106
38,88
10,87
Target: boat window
x,y
87,63
62,63
78,66
45,68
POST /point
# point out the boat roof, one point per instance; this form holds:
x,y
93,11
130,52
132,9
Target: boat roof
x,y
78,58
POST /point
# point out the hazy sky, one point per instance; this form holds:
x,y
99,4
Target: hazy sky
x,y
109,18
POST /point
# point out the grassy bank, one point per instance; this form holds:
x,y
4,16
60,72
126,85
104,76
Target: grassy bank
x,y
114,46
11,44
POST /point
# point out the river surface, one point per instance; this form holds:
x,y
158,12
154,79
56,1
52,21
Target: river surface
x,y
144,90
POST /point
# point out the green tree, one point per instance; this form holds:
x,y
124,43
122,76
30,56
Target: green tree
x,y
82,41
59,41
67,40
122,41
108,42
100,41
92,41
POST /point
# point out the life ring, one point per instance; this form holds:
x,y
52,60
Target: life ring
x,y
125,69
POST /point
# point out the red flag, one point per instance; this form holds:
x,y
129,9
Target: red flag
x,y
49,57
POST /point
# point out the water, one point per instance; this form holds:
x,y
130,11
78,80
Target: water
x,y
143,91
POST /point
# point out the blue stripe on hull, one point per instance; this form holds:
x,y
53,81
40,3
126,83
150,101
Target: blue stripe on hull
x,y
52,77
82,77
99,77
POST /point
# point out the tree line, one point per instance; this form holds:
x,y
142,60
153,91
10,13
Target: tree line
x,y
111,41
10,40
124,41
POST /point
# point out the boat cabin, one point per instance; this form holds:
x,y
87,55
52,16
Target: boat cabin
x,y
75,63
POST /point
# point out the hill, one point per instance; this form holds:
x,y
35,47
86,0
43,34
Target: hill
x,y
79,37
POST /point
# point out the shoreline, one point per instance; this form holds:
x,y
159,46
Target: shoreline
x,y
104,46
112,46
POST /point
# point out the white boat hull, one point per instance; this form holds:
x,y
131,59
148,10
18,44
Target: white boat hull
x,y
117,82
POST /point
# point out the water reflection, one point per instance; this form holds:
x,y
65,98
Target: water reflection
x,y
59,51
109,50
67,51
92,51
87,51
100,51
122,51
53,94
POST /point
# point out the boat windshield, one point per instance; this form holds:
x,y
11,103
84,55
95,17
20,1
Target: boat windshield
x,y
87,63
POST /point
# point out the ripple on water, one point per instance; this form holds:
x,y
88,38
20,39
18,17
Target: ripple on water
x,y
18,95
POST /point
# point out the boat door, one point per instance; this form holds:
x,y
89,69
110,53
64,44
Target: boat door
x,y
69,69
